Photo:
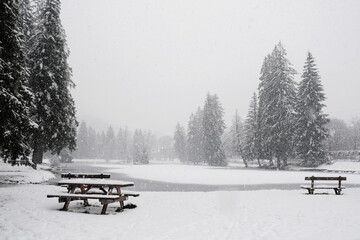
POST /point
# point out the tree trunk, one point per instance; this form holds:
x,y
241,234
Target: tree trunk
x,y
245,162
38,152
258,160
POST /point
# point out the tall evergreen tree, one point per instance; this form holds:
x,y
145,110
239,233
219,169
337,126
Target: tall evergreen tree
x,y
110,144
251,138
180,142
50,81
214,127
235,137
15,96
195,138
82,142
311,121
91,141
278,99
140,148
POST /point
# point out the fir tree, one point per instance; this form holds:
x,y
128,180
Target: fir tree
x,y
50,81
195,137
311,121
278,93
180,142
15,96
110,144
251,138
140,148
82,142
214,127
235,137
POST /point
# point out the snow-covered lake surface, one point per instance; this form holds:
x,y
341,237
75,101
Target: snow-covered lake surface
x,y
26,213
190,174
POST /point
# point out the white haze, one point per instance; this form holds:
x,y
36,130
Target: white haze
x,y
149,63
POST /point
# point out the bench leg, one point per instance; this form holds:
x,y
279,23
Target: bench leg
x,y
66,205
337,191
103,211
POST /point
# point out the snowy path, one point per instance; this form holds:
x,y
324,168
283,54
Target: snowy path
x,y
265,214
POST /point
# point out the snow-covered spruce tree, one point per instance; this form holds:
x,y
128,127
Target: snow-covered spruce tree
x,y
214,127
16,125
140,149
122,141
278,95
110,144
195,138
92,145
264,150
180,142
82,142
235,137
311,121
50,80
251,140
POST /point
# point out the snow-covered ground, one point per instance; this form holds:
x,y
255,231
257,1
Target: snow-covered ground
x,y
23,174
26,213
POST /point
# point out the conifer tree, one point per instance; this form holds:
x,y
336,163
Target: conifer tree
x,y
214,127
140,148
278,97
311,121
251,139
16,125
180,142
50,80
110,144
235,137
195,138
82,142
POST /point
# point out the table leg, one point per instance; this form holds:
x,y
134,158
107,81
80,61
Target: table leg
x,y
118,190
67,202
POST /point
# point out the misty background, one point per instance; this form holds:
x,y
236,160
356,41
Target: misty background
x,y
149,64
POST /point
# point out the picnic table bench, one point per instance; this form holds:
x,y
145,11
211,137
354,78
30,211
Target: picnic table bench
x,y
104,199
101,189
312,186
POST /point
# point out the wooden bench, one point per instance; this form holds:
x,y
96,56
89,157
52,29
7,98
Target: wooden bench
x,y
104,199
312,187
85,175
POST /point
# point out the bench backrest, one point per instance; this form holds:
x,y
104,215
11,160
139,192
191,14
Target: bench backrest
x,y
85,175
325,178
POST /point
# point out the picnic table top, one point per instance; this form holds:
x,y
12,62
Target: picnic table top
x,y
97,182
84,175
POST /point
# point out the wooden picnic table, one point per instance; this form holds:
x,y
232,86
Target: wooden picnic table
x,y
85,185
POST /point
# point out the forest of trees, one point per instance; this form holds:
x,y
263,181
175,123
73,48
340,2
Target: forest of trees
x,y
36,107
136,147
285,121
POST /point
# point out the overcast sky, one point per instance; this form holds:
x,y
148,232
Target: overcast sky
x,y
149,63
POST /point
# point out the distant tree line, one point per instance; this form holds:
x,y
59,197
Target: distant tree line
x,y
285,120
137,147
37,112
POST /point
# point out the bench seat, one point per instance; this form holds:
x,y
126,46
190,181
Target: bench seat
x,y
104,199
123,193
